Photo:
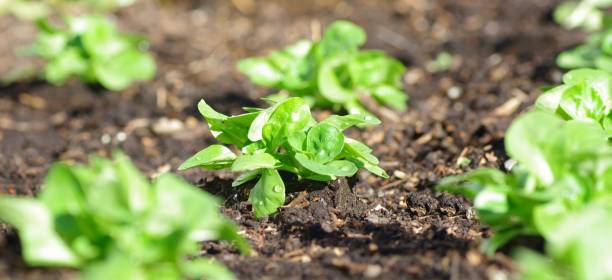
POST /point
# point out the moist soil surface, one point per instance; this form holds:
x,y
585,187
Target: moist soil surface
x,y
363,227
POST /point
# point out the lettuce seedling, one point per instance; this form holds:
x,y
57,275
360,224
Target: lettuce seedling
x,y
579,249
107,219
561,166
283,137
596,52
587,14
332,72
92,49
38,9
585,95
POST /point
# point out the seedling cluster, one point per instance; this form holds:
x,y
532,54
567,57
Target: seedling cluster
x,y
283,137
91,48
587,14
560,188
107,219
332,72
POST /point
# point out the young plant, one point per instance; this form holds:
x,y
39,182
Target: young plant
x,y
595,53
38,9
92,49
579,249
107,219
585,95
561,166
332,72
587,14
283,137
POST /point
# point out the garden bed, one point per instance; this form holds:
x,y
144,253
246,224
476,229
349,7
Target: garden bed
x,y
365,227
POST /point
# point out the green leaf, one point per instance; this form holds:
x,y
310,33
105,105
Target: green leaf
x,y
289,116
254,162
214,157
118,72
534,266
136,190
117,265
297,141
62,192
41,244
61,68
540,143
206,268
346,121
324,141
332,169
260,71
334,81
391,96
268,194
246,177
341,37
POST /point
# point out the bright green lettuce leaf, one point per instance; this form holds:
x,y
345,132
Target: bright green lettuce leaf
x,y
596,52
283,137
587,14
92,49
268,194
107,219
561,166
253,162
579,248
213,157
332,72
289,116
586,95
325,142
41,245
542,143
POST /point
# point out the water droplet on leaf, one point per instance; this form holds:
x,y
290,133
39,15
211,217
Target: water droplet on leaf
x,y
277,188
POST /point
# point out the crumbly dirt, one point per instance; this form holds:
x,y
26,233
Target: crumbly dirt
x,y
366,227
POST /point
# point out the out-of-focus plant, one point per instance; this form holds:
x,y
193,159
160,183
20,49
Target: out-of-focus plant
x,y
561,167
595,53
587,14
442,62
92,49
332,72
37,9
586,95
578,249
108,221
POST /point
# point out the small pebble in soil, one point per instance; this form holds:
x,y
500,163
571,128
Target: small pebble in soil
x,y
105,139
454,92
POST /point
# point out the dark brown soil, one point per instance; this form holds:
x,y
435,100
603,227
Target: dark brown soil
x,y
398,228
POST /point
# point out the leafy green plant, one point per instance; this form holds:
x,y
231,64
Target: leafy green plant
x,y
587,14
579,249
332,72
585,95
595,53
561,166
283,137
442,62
108,220
92,49
38,9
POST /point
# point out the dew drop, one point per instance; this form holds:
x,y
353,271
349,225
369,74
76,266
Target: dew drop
x,y
198,158
277,188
